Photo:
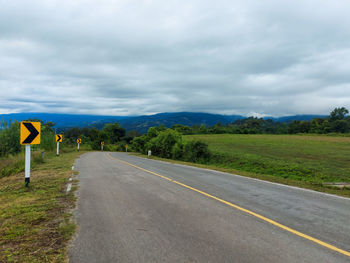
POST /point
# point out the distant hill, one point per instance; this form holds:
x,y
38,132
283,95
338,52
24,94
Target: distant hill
x,y
62,120
140,123
143,123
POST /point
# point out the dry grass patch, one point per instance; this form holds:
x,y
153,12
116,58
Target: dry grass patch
x,y
34,223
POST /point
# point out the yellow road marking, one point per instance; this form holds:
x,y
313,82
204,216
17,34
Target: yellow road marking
x,y
324,244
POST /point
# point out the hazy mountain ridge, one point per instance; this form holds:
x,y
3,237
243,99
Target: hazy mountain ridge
x,y
141,123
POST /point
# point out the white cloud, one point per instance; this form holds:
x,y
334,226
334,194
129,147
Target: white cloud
x,y
141,57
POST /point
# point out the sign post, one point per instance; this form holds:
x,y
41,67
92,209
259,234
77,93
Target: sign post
x,y
78,142
102,143
30,134
126,147
59,138
27,166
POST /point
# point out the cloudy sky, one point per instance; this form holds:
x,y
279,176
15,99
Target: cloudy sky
x,y
133,57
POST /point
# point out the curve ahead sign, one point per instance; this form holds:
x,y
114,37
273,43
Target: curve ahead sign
x,y
30,132
59,138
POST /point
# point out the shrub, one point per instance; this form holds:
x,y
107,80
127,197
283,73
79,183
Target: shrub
x,y
163,144
138,144
167,143
196,151
177,151
9,139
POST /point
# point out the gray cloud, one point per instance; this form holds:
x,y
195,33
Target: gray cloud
x,y
142,57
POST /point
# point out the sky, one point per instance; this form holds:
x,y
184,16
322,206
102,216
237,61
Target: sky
x,y
133,57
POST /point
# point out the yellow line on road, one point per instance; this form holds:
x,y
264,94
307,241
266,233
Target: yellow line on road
x,y
324,244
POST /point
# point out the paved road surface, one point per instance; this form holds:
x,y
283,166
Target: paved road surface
x,y
126,214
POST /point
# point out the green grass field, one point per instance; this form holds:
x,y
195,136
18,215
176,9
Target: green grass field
x,y
312,159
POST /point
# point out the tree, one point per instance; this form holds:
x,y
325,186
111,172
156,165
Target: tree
x,y
203,129
72,134
131,135
113,132
316,125
294,127
163,144
340,126
9,139
304,127
196,151
182,129
138,144
338,114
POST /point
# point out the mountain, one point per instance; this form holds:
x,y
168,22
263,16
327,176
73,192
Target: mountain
x,y
140,123
143,123
62,120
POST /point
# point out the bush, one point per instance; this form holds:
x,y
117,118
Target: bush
x,y
163,144
167,143
48,140
196,151
341,126
9,139
177,151
138,144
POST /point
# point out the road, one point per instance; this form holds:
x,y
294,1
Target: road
x,y
132,209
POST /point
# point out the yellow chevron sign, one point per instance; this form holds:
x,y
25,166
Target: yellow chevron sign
x,y
30,132
59,137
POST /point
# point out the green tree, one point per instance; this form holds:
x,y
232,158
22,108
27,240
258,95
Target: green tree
x,y
294,127
163,144
182,129
316,125
131,135
341,126
72,134
203,129
196,151
9,139
138,144
338,114
48,142
113,132
154,131
304,127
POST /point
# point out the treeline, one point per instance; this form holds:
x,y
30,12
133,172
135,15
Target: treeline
x,y
337,122
113,135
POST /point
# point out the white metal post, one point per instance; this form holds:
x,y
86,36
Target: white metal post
x,y
27,165
58,148
101,147
78,146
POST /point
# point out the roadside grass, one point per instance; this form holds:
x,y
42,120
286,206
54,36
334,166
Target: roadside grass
x,y
11,165
297,160
35,222
314,159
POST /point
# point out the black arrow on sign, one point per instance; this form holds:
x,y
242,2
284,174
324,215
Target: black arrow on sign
x,y
33,132
59,138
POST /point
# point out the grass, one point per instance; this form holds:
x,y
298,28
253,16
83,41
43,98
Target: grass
x,y
298,160
35,222
315,159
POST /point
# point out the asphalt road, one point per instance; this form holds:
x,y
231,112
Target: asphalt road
x,y
127,214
